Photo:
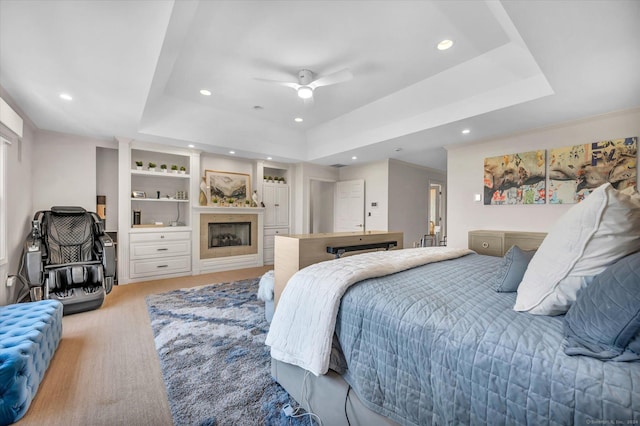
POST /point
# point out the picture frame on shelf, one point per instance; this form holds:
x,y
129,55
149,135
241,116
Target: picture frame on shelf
x,y
138,194
222,184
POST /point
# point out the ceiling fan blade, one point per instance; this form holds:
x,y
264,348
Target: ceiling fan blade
x,y
333,78
294,86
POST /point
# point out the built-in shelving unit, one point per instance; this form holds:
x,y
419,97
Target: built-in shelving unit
x,y
155,211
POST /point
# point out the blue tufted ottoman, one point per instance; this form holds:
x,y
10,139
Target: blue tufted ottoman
x,y
29,336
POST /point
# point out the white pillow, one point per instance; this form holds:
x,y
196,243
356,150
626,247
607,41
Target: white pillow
x,y
581,244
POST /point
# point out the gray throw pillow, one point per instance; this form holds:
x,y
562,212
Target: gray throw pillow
x,y
604,321
512,269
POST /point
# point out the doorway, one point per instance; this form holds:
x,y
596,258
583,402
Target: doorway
x,y
321,202
437,212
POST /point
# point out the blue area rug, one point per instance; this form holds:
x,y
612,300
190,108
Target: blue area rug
x,y
215,365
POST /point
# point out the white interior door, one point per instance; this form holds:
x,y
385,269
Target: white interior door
x,y
349,206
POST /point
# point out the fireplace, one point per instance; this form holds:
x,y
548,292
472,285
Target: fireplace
x,y
225,235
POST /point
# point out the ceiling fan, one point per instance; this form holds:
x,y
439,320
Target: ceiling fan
x,y
308,82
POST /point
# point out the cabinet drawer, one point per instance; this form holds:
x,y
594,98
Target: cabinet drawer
x,y
153,267
159,236
164,249
270,233
276,231
268,256
486,244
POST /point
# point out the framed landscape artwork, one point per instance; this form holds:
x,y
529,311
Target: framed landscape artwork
x,y
227,185
515,178
575,171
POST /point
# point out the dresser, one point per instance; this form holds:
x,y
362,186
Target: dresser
x,y
294,252
497,243
159,253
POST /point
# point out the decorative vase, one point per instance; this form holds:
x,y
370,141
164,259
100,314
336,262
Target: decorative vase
x,y
138,167
152,169
183,172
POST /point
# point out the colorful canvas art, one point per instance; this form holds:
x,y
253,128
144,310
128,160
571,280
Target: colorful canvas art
x,y
575,171
515,178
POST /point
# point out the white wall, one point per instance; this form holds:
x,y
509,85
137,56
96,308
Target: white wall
x,y
376,188
64,170
465,174
409,199
107,183
18,195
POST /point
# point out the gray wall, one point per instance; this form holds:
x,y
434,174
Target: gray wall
x,y
322,195
409,199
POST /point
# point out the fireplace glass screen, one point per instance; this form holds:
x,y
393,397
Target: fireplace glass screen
x,y
229,234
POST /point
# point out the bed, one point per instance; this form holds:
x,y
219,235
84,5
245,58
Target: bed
x,y
435,343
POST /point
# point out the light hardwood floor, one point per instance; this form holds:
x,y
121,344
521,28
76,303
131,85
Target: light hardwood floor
x,y
106,370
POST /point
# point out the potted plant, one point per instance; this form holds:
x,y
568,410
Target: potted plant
x,y
152,167
247,203
231,201
265,178
163,168
269,178
174,168
282,180
183,170
139,165
214,200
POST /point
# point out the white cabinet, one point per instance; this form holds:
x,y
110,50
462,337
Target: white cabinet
x,y
275,197
269,242
159,253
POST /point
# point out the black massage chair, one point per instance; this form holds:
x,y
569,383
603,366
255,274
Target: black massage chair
x,y
69,256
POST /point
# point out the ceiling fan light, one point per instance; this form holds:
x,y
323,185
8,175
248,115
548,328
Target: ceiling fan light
x,y
305,92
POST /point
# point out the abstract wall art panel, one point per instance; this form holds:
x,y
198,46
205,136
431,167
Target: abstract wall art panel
x,y
515,178
575,171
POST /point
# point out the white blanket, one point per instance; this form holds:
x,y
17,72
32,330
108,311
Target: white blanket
x,y
305,319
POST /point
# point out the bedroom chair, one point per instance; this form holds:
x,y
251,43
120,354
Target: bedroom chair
x,y
69,256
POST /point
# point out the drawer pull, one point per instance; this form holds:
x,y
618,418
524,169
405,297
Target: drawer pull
x,y
161,236
162,266
485,244
163,249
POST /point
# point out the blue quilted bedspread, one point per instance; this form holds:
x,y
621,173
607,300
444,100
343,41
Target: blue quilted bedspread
x,y
437,345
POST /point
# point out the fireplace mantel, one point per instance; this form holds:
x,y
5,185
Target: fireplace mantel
x,y
225,263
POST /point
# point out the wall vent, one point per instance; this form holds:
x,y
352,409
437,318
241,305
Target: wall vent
x,y
337,166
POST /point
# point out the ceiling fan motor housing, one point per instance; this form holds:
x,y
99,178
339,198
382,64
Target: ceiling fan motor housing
x,y
305,77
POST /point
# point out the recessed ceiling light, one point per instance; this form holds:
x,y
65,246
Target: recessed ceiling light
x,y
269,158
445,44
466,131
298,120
232,152
191,145
205,92
65,96
354,158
